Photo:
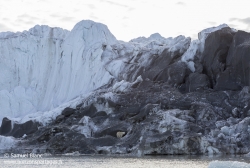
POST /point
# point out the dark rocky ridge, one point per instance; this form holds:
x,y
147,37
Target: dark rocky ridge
x,y
170,111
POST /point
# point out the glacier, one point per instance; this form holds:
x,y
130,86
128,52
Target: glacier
x,y
72,91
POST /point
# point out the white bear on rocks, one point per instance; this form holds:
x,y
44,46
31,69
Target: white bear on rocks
x,y
120,134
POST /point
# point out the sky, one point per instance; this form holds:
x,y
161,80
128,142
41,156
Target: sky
x,y
127,19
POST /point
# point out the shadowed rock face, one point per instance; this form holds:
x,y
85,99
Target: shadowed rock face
x,y
215,53
237,72
226,59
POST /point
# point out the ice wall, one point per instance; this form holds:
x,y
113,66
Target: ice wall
x,y
45,67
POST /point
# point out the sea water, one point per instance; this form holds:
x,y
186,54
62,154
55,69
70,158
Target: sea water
x,y
116,161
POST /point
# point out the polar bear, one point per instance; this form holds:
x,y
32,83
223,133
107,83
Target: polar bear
x,y
120,134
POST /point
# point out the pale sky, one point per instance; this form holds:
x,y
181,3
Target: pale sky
x,y
127,19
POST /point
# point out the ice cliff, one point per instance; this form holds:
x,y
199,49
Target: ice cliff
x,y
45,67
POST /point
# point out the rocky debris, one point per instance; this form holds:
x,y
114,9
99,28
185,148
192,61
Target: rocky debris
x,y
152,118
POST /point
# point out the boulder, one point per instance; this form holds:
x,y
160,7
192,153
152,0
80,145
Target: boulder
x,y
6,126
89,110
68,111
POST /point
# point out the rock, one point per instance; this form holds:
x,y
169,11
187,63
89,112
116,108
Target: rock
x,y
197,81
104,141
159,70
27,128
48,133
179,68
59,118
144,112
214,57
9,128
237,72
128,112
99,113
89,110
69,142
226,82
6,126
68,111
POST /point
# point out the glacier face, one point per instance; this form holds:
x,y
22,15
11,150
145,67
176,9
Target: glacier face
x,y
169,95
45,67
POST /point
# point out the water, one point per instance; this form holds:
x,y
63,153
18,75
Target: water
x,y
116,161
